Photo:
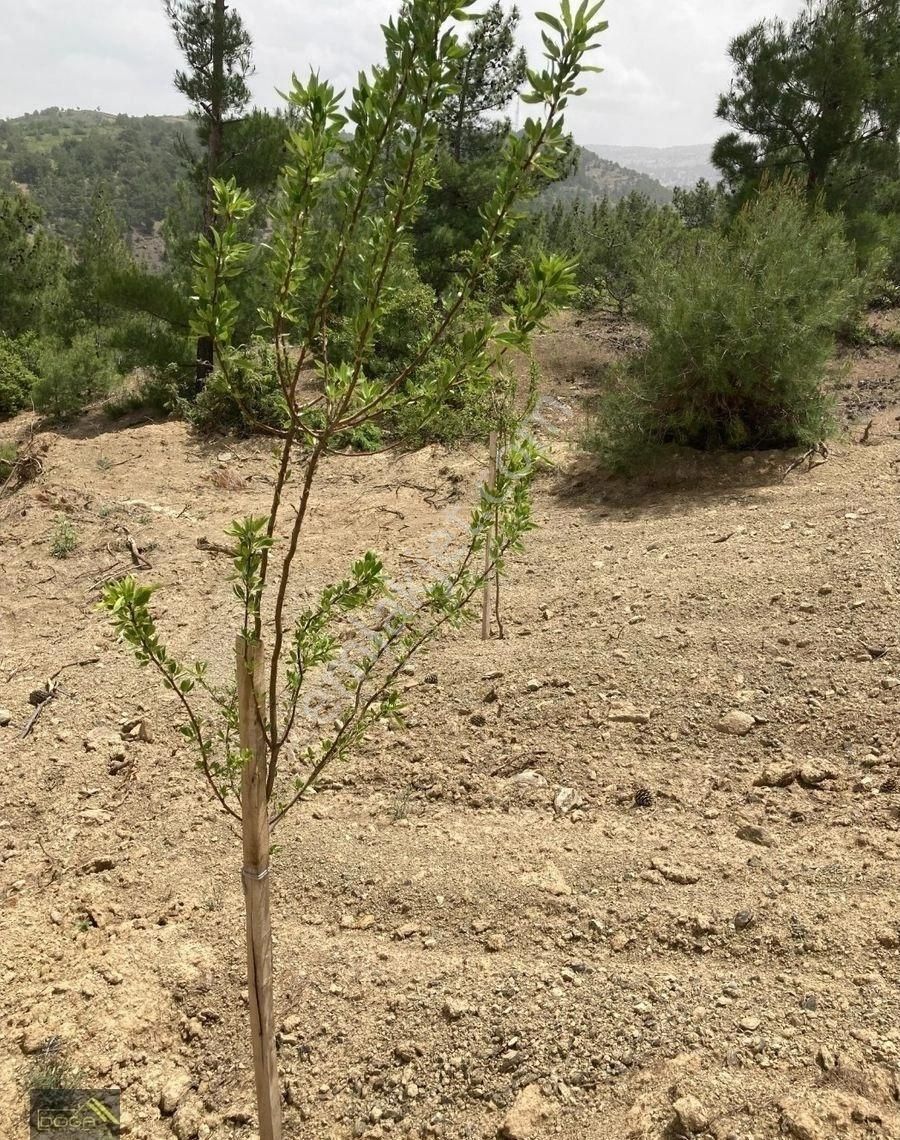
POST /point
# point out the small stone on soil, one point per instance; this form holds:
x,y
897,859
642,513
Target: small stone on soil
x,y
691,1116
736,723
624,713
173,1091
529,1111
751,833
798,1123
814,773
682,873
453,1009
776,776
549,879
530,777
566,800
33,1039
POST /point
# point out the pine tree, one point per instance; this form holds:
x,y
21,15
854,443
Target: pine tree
x,y
217,51
100,256
490,73
818,99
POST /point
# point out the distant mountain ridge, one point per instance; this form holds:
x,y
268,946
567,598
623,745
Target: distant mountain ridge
x,y
60,156
597,177
669,165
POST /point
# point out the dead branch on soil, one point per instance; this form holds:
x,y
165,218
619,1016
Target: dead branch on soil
x,y
122,462
51,690
41,698
25,468
215,548
876,652
73,665
864,438
137,553
56,870
808,457
113,574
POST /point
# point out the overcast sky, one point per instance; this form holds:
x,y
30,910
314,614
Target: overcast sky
x,y
665,60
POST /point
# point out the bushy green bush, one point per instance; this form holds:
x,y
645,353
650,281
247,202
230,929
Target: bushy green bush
x,y
876,238
467,414
403,332
245,400
741,329
73,376
18,372
155,392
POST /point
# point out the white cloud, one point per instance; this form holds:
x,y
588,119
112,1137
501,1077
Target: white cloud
x,y
665,60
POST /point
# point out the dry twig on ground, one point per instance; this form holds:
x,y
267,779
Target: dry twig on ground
x,y
808,457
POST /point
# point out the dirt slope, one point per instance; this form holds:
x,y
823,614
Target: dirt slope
x,y
477,905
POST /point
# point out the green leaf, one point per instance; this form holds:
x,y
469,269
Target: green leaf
x,y
551,21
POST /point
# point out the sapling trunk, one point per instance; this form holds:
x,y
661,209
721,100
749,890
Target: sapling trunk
x,y
255,877
486,601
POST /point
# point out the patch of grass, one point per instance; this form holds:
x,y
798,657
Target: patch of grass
x,y
8,453
405,804
51,1069
104,463
863,335
63,540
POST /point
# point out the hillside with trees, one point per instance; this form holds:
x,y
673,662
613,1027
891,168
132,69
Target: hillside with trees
x,y
594,178
62,156
682,166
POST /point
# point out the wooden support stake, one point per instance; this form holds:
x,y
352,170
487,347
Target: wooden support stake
x,y
255,876
486,602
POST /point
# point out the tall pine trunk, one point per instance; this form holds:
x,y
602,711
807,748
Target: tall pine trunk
x,y
214,151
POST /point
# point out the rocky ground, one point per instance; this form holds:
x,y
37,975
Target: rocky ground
x,y
630,872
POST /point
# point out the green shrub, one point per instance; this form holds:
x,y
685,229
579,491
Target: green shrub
x,y
73,376
18,363
158,393
248,398
741,329
614,245
876,238
467,413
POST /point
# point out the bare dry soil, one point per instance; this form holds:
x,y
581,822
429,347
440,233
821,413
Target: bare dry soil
x,y
629,872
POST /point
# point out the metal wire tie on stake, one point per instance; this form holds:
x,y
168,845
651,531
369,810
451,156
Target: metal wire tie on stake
x,y
258,876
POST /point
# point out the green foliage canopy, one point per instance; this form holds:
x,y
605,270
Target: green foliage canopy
x,y
818,99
